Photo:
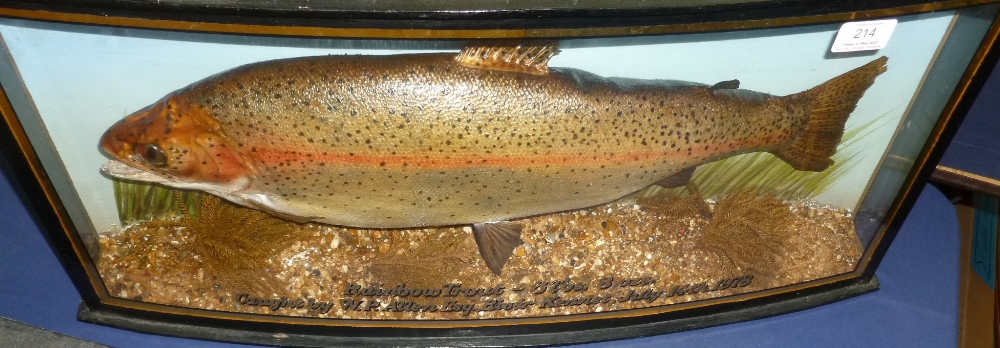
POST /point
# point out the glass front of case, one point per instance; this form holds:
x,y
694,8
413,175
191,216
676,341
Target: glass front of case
x,y
389,182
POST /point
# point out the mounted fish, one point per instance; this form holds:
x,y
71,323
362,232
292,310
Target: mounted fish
x,y
476,138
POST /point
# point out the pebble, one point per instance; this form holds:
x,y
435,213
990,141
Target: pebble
x,y
582,246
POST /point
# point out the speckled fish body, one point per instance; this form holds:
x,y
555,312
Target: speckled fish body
x,y
419,140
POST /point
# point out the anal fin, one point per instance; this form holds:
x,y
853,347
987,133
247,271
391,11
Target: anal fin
x,y
679,179
496,242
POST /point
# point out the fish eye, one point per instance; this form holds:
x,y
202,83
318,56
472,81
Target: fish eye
x,y
152,154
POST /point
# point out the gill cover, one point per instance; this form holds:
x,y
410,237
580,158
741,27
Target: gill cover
x,y
177,141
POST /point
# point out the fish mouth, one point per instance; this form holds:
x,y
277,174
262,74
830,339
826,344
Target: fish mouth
x,y
124,171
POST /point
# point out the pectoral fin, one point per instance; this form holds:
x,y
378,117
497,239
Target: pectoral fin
x,y
531,58
679,179
496,242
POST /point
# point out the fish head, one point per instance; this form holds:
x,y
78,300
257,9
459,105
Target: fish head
x,y
178,144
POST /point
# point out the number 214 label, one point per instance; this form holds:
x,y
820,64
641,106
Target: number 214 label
x,y
863,36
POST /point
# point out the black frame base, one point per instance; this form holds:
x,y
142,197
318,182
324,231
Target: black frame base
x,y
470,337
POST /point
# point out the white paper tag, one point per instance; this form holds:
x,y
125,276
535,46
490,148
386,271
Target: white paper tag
x,y
863,36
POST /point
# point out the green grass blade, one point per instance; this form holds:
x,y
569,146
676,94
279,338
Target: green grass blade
x,y
138,201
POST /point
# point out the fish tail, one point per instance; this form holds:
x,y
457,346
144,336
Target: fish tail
x,y
829,105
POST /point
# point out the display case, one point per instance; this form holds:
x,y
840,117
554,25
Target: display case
x,y
502,173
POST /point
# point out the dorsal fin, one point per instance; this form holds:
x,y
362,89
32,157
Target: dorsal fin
x,y
530,57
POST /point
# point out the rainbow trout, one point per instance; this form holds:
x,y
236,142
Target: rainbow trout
x,y
476,138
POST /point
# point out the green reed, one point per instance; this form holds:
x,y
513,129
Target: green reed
x,y
138,201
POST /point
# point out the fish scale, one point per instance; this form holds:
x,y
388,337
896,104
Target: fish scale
x,y
427,140
436,153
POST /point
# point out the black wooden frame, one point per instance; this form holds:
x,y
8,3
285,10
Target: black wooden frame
x,y
38,195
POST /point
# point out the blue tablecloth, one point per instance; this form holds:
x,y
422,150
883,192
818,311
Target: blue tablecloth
x,y
976,146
